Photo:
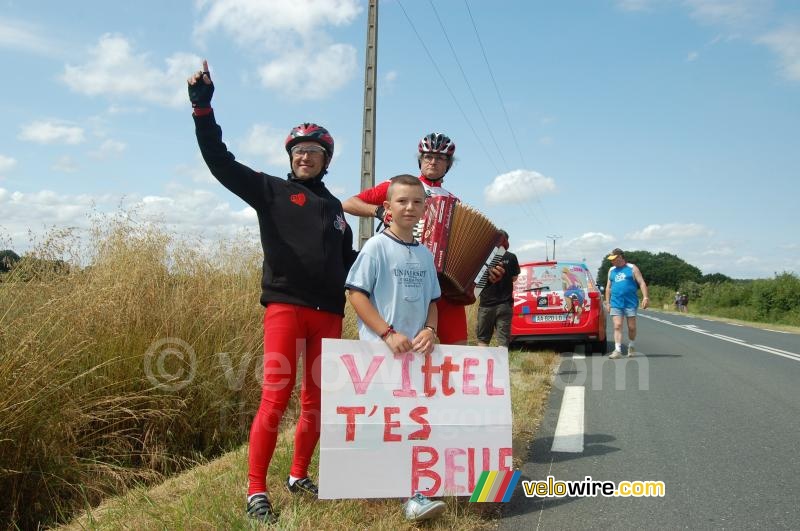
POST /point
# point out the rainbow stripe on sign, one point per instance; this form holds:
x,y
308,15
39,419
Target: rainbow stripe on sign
x,y
495,486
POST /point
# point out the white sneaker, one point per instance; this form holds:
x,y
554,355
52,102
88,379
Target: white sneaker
x,y
419,507
631,352
617,354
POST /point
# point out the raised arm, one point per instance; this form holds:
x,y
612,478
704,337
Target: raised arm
x,y
238,178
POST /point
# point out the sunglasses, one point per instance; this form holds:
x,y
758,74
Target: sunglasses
x,y
430,157
299,151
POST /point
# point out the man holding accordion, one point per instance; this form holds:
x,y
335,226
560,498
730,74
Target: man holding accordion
x,y
435,158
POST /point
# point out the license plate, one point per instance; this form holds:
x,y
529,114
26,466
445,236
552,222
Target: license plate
x,y
550,318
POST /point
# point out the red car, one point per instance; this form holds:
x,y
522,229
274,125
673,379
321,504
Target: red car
x,y
558,301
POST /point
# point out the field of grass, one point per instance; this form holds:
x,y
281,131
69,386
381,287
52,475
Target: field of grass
x,y
211,496
137,359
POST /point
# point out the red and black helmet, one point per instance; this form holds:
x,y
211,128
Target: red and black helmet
x,y
308,132
437,143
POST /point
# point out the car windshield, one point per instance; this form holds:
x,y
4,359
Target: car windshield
x,y
552,277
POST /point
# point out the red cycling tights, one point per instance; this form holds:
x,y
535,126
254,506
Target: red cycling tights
x,y
289,331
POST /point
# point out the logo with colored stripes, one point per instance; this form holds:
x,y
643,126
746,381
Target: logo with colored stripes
x,y
495,486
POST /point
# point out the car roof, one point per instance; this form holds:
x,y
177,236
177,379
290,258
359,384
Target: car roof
x,y
556,263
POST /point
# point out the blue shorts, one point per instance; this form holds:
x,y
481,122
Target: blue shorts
x,y
620,312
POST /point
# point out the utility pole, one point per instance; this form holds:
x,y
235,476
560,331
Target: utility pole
x,y
554,237
368,138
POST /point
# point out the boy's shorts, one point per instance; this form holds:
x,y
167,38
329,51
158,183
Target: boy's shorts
x,y
623,312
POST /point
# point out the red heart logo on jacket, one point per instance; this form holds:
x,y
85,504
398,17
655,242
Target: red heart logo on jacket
x,y
298,199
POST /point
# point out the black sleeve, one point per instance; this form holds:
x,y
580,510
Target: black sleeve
x,y
514,265
348,253
238,178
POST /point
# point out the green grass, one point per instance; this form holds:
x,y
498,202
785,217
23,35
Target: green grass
x,y
211,496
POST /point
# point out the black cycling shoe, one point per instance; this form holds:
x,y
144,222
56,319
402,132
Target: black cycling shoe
x,y
305,485
259,508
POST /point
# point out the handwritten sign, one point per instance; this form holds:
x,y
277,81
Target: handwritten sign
x,y
393,425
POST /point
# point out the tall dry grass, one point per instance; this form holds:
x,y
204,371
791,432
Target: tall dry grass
x,y
124,363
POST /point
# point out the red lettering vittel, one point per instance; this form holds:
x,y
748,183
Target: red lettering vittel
x,y
491,390
429,370
447,367
406,391
467,377
351,412
360,385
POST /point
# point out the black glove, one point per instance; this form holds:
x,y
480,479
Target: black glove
x,y
380,212
200,94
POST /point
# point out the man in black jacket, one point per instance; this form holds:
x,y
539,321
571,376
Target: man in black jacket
x,y
307,253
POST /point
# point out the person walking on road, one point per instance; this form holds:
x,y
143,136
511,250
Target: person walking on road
x,y
624,280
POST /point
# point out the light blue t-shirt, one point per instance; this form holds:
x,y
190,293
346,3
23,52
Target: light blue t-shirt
x,y
623,287
400,280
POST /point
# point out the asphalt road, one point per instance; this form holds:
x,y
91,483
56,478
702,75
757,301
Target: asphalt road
x,y
709,408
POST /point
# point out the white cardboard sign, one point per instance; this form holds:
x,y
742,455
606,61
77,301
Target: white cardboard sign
x,y
395,425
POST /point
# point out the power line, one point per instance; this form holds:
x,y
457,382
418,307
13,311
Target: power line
x,y
452,95
502,106
494,82
469,87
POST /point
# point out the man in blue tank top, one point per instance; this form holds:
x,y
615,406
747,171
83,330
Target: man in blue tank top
x,y
624,280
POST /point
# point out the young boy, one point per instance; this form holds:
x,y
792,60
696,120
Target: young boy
x,y
393,289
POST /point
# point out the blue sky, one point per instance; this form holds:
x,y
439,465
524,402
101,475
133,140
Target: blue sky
x,y
664,125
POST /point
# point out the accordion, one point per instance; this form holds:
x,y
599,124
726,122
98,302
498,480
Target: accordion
x,y
465,246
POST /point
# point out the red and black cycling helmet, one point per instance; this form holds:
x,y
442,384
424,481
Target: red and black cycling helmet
x,y
308,132
437,143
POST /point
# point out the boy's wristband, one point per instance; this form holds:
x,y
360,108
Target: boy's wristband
x,y
432,329
389,331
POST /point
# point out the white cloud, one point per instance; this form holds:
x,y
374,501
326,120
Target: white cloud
x,y
294,31
52,132
731,13
267,143
271,24
6,163
198,171
18,35
109,148
65,164
310,74
671,231
518,186
185,211
785,43
692,56
114,69
635,5
719,251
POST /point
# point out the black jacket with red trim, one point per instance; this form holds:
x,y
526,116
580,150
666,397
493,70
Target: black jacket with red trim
x,y
306,241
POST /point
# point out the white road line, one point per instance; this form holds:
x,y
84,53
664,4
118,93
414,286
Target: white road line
x,y
728,338
568,436
779,352
771,350
778,331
